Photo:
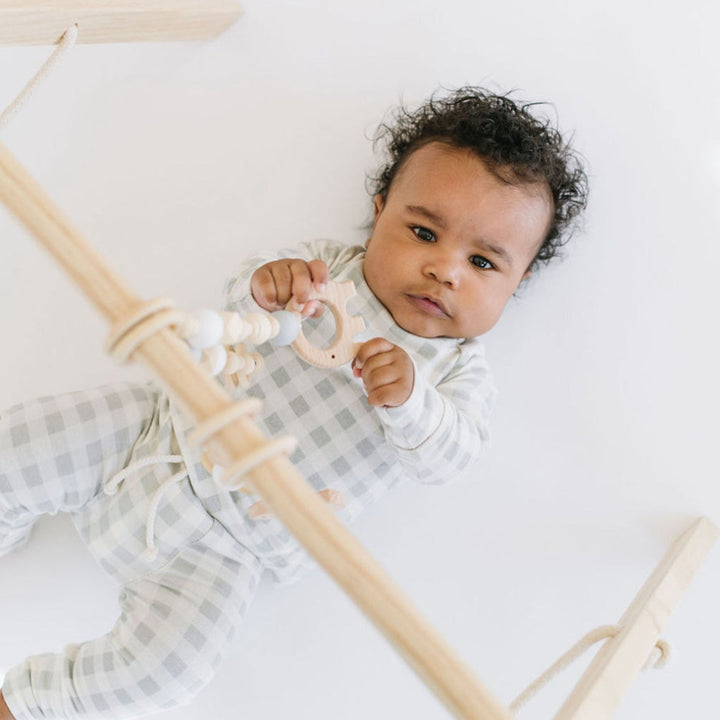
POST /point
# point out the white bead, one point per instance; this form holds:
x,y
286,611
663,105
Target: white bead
x,y
209,332
289,327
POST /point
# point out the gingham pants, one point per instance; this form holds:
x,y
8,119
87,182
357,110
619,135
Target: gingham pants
x,y
179,609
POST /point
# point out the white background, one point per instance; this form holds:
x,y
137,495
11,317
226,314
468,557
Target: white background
x,y
178,160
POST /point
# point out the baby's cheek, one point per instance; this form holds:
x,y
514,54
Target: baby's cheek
x,y
490,310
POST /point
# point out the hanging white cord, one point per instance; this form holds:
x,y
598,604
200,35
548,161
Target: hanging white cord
x,y
112,485
66,42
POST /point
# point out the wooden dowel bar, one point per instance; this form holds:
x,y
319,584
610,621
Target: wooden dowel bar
x,y
43,22
277,481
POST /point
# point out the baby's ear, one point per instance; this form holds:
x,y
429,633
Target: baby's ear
x,y
378,204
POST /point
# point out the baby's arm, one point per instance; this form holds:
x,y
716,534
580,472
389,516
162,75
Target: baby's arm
x,y
237,290
441,430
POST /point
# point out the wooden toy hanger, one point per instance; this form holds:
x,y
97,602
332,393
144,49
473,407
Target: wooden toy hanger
x,y
232,437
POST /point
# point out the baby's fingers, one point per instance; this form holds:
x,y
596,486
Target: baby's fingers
x,y
264,289
386,370
274,284
301,284
311,276
370,349
386,384
319,273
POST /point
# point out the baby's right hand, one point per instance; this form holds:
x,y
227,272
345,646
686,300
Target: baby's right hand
x,y
274,284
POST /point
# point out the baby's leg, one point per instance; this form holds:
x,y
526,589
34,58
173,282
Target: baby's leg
x,y
56,451
173,631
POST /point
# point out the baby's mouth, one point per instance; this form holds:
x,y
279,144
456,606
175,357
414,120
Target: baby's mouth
x,y
429,306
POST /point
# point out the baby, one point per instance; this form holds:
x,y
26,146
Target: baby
x,y
476,193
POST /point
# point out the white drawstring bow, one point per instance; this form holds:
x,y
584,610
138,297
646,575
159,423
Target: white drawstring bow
x,y
112,485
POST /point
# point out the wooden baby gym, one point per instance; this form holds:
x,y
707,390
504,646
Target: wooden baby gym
x,y
185,352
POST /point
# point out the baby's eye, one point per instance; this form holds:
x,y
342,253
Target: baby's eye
x,y
480,262
424,234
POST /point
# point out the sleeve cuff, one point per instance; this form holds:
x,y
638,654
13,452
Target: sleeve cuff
x,y
409,425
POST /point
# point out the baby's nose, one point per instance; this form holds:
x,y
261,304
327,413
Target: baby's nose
x,y
445,271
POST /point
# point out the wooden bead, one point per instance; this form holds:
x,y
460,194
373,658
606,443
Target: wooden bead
x,y
263,328
235,363
214,359
189,326
257,362
235,329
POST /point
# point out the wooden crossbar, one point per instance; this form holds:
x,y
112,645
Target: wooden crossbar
x,y
289,496
43,22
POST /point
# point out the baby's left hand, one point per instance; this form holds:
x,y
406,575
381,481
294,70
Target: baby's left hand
x,y
386,371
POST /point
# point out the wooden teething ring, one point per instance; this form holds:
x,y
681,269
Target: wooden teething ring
x,y
342,349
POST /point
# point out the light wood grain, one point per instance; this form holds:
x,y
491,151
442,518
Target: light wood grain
x,y
341,349
43,22
280,485
612,671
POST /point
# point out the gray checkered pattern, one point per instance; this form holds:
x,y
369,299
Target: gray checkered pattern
x,y
178,610
344,443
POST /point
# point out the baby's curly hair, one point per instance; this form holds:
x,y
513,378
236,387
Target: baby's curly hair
x,y
513,144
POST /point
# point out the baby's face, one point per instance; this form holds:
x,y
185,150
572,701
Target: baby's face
x,y
452,242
